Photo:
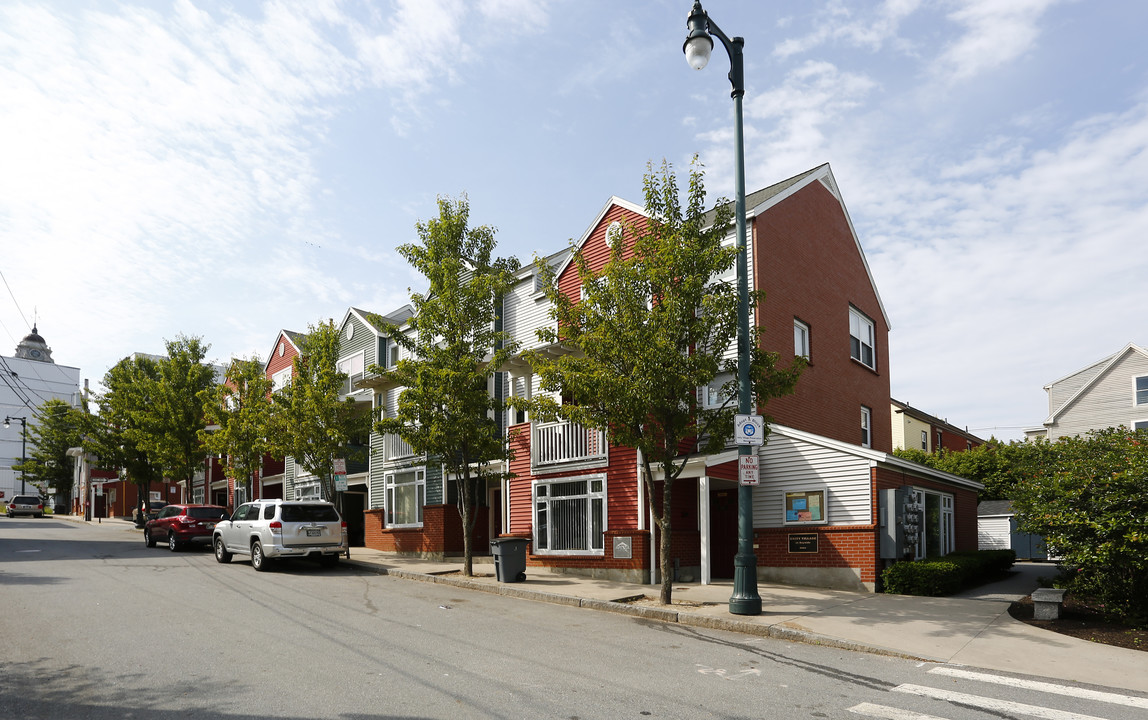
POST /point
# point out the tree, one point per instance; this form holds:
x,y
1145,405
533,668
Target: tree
x,y
58,427
455,346
240,410
996,465
1087,497
309,422
654,325
121,433
176,409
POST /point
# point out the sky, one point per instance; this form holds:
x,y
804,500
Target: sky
x,y
227,170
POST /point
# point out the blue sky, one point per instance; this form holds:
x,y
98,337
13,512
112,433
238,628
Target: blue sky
x,y
230,169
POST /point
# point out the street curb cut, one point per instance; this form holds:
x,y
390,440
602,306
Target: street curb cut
x,y
687,619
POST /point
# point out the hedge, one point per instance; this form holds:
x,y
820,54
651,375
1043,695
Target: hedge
x,y
946,575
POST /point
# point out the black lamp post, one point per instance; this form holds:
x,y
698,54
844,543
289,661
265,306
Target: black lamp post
x,y
23,445
699,43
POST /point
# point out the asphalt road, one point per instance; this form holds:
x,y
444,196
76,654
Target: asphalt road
x,y
95,625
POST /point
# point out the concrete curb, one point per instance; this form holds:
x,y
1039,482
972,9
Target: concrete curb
x,y
667,615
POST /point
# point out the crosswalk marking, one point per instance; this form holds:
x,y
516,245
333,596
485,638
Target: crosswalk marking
x,y
991,704
885,712
1113,698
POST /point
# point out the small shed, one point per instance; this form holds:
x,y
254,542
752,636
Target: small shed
x,y
997,530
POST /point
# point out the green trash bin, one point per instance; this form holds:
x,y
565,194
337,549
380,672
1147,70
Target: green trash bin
x,y
509,558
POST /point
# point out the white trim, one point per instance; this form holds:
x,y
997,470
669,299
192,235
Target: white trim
x,y
591,495
1108,363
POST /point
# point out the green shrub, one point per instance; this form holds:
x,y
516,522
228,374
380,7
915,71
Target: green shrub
x,y
946,575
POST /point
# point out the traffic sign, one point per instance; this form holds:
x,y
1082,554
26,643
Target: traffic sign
x,y
748,470
748,430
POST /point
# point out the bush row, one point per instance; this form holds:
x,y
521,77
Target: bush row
x,y
946,575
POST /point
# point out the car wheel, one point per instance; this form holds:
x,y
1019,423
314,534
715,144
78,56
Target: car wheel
x,y
258,559
172,544
221,554
148,539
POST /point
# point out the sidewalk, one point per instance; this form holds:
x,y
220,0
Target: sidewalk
x,y
972,628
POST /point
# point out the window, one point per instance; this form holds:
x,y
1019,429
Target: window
x,y
280,379
240,494
307,488
570,515
805,507
866,427
406,496
861,339
800,339
1140,425
936,537
924,439
1142,390
715,394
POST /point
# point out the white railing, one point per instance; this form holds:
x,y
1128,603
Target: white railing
x,y
562,442
396,448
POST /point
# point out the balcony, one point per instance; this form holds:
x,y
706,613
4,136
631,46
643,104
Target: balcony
x,y
396,448
566,442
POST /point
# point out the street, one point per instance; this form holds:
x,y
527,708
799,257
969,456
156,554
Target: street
x,y
95,625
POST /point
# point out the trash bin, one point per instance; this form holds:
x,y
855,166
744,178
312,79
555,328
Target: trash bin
x,y
509,558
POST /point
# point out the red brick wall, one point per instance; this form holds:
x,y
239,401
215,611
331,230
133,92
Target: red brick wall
x,y
441,532
807,261
964,503
851,546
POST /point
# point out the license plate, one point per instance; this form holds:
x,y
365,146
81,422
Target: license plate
x,y
314,532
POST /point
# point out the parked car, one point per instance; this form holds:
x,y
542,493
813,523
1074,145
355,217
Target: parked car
x,y
26,505
269,529
180,525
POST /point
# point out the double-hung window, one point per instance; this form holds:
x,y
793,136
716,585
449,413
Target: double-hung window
x,y
1142,390
570,515
406,496
861,339
800,339
866,427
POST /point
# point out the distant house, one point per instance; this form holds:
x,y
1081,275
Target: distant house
x,y
997,530
1108,393
914,429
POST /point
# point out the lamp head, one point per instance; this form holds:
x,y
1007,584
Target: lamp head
x,y
698,43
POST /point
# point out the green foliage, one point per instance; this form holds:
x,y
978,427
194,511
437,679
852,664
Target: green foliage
x,y
240,408
996,465
652,326
1088,497
454,348
57,427
120,433
948,574
309,422
176,412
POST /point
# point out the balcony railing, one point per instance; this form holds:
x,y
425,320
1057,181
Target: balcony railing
x,y
563,442
396,448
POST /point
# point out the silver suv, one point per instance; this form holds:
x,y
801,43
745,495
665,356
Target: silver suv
x,y
26,505
268,529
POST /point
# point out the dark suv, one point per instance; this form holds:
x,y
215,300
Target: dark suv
x,y
181,525
26,505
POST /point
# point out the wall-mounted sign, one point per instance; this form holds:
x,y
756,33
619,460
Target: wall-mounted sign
x,y
623,547
803,542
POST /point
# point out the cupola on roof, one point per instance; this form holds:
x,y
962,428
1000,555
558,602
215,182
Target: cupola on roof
x,y
33,347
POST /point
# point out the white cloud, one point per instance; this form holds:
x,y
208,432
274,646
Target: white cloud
x,y
837,23
995,33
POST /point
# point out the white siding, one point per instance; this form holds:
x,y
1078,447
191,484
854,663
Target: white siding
x,y
993,533
523,314
789,465
1108,402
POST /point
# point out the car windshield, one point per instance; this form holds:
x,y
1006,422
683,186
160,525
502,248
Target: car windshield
x,y
207,513
310,513
25,500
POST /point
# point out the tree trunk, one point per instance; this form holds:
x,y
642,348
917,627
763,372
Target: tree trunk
x,y
665,562
466,505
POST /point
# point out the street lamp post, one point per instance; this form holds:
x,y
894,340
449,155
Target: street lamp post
x,y
23,445
699,43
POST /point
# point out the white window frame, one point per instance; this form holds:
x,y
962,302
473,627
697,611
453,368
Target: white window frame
x,y
280,379
925,440
866,427
1140,390
542,499
790,512
800,339
1140,424
391,485
712,397
947,526
863,335
308,488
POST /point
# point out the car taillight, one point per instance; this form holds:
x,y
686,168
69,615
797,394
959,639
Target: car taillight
x,y
40,506
276,526
186,519
343,524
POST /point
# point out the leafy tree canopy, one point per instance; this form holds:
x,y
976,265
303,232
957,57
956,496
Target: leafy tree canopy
x,y
58,426
238,413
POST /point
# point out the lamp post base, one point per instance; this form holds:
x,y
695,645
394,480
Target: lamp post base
x,y
745,599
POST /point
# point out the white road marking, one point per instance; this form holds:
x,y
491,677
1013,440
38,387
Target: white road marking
x,y
889,713
1082,693
1002,706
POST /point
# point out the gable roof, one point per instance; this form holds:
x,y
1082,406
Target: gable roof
x,y
290,336
1101,368
925,417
